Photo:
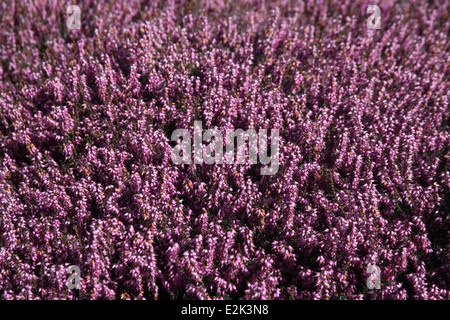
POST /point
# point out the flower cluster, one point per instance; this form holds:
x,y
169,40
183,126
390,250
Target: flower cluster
x,y
86,176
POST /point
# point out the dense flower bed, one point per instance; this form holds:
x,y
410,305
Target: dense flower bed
x,y
86,176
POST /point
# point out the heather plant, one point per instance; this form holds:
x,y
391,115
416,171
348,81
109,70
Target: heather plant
x,y
86,171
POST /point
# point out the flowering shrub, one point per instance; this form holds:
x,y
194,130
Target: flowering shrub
x,y
86,176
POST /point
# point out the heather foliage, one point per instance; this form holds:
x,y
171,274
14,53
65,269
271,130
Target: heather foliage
x,y
86,177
